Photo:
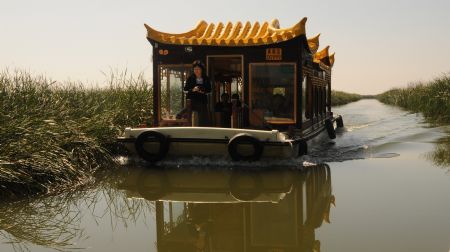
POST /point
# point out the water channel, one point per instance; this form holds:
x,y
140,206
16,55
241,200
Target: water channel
x,y
382,185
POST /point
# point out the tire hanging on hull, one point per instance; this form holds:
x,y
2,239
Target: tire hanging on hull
x,y
330,128
146,155
302,147
244,138
339,122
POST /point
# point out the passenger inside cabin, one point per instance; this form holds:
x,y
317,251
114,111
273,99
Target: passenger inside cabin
x,y
279,105
197,87
236,98
223,111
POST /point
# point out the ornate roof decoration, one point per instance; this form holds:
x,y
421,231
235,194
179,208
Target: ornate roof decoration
x,y
324,58
237,34
318,56
332,59
313,43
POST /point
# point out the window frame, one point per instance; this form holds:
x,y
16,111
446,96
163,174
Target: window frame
x,y
188,66
294,121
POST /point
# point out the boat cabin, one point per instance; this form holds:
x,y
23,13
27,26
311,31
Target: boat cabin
x,y
277,78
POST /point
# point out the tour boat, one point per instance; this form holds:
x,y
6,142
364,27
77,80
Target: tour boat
x,y
279,81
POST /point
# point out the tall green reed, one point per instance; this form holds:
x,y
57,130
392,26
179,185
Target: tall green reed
x,y
431,98
55,135
340,98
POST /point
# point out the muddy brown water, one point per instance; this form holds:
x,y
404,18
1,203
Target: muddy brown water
x,y
382,185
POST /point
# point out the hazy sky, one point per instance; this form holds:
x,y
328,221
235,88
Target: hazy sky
x,y
378,44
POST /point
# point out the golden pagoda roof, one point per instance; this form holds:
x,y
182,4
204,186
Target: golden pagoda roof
x,y
237,34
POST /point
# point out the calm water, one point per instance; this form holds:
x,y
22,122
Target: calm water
x,y
382,185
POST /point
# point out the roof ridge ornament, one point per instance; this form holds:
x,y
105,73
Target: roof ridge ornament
x,y
230,34
275,24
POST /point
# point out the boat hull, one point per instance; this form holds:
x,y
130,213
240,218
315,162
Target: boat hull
x,y
215,142
216,149
212,142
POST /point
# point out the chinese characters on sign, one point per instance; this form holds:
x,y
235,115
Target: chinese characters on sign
x,y
273,53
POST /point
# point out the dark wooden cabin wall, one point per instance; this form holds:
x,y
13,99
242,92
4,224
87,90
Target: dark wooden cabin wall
x,y
318,97
292,51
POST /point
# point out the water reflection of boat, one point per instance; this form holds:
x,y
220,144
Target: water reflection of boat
x,y
236,211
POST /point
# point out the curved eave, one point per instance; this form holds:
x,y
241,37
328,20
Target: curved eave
x,y
237,34
324,59
331,57
321,54
313,43
161,36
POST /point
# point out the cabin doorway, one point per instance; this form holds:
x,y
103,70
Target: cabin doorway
x,y
226,74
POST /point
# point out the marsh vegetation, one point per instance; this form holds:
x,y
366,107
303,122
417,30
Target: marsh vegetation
x,y
431,98
340,98
55,135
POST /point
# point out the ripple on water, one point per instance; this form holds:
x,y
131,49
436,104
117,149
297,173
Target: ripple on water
x,y
384,133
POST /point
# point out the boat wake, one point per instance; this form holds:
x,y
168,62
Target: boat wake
x,y
386,133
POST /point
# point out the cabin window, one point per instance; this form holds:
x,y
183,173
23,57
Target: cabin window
x,y
171,95
319,100
307,97
306,111
320,103
313,101
272,93
324,100
328,94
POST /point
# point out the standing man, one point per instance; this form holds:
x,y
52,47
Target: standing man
x,y
198,86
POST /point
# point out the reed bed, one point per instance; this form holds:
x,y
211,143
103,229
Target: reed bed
x,y
431,98
340,98
57,135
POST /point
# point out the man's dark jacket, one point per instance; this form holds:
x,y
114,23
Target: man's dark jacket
x,y
191,82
